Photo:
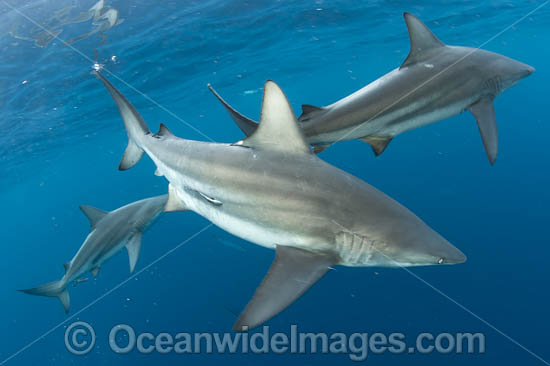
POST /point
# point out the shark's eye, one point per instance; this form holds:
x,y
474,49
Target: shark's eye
x,y
441,260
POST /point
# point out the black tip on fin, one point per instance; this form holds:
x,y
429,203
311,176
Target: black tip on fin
x,y
131,156
378,144
309,111
319,148
247,126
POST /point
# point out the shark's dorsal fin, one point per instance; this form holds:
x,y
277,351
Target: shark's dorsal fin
x,y
309,111
164,131
67,266
308,108
93,214
278,128
421,37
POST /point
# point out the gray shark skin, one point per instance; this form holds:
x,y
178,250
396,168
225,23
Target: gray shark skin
x,y
271,190
109,233
435,82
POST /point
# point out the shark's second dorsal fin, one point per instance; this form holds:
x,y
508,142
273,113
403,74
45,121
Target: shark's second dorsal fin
x,y
309,111
421,37
164,131
93,214
278,128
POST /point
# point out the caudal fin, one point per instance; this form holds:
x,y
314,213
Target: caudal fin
x,y
135,125
246,125
52,289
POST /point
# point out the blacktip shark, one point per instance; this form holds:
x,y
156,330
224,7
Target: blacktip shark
x,y
435,82
109,233
271,190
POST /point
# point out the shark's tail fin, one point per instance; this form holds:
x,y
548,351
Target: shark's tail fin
x,y
246,125
53,289
135,125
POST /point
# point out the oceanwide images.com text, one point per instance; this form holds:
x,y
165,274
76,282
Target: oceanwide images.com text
x,y
80,339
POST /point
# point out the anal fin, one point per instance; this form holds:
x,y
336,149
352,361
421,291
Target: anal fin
x,y
378,143
95,271
484,113
291,274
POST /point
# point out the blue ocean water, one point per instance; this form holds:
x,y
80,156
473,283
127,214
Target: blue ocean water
x,y
62,140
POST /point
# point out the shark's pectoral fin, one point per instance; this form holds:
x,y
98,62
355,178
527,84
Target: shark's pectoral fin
x,y
421,37
319,148
133,246
292,273
66,266
65,300
158,173
174,203
377,143
246,125
278,128
93,214
484,112
95,271
309,111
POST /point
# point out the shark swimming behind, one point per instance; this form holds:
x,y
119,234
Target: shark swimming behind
x,y
435,82
109,233
271,190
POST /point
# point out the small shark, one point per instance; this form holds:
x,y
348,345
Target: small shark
x,y
435,82
270,189
109,233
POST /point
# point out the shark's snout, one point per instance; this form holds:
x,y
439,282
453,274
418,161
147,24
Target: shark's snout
x,y
453,256
529,70
514,71
522,70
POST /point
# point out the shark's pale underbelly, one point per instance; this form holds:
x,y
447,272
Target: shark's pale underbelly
x,y
393,122
239,225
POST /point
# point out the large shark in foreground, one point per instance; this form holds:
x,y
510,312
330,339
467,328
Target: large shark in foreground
x,y
270,189
109,233
435,82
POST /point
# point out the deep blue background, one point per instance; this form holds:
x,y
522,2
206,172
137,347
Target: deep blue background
x,y
62,139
